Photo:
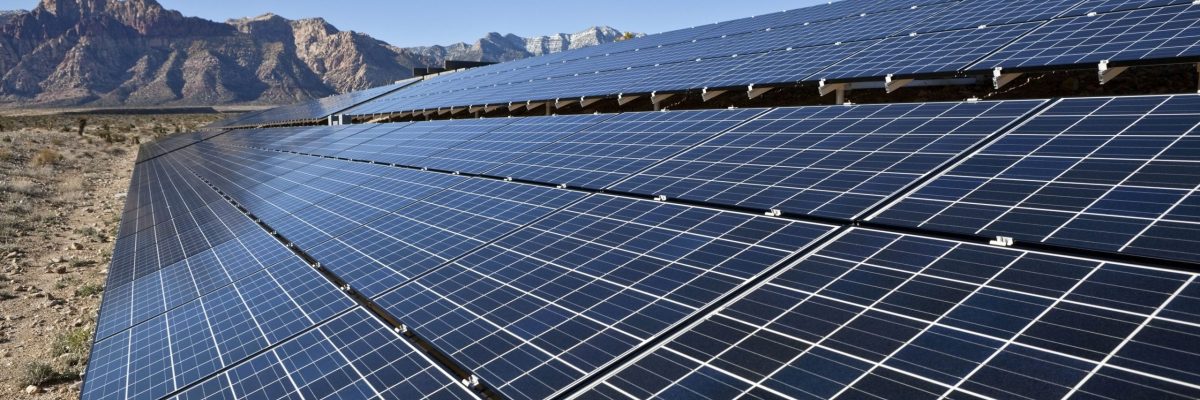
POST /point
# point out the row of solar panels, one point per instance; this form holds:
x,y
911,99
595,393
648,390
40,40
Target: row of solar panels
x,y
309,110
1108,174
536,289
945,39
174,142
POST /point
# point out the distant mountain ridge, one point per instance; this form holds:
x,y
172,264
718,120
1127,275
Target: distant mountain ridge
x,y
137,53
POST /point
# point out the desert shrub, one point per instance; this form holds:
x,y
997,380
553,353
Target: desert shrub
x,y
38,373
89,289
45,157
74,341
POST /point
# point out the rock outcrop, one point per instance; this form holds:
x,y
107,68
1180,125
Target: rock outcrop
x,y
137,53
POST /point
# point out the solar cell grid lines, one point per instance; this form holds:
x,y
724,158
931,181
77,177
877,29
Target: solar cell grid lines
x,y
925,53
826,161
351,356
570,293
962,250
620,146
1127,36
313,109
975,13
1110,174
885,315
1104,6
497,147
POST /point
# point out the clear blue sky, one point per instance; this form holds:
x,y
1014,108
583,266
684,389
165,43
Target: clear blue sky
x,y
412,23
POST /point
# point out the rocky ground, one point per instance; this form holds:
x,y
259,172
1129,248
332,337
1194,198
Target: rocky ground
x,y
61,197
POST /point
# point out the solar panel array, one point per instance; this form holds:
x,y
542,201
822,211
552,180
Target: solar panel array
x,y
1109,174
309,110
628,256
844,41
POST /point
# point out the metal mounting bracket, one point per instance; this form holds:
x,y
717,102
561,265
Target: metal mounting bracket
x,y
755,93
1107,74
837,88
707,95
559,103
892,85
659,98
585,102
623,99
1000,79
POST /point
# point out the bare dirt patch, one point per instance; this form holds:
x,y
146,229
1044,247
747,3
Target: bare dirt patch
x,y
61,197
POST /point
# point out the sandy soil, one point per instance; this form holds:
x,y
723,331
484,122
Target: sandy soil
x,y
61,197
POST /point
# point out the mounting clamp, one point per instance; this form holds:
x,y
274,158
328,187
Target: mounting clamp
x,y
1002,241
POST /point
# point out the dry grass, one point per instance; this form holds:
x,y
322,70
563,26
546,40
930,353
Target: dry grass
x,y
72,189
22,186
44,158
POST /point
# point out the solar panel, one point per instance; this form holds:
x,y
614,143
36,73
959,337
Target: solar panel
x,y
497,147
555,301
186,343
620,146
826,161
975,13
1109,174
883,315
350,356
926,53
1144,34
312,109
784,66
1104,6
391,250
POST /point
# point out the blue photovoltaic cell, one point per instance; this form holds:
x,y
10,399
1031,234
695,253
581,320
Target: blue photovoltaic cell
x,y
549,304
522,136
187,343
786,66
1104,6
975,13
925,53
309,110
351,356
393,249
620,146
1145,34
881,315
827,161
1110,174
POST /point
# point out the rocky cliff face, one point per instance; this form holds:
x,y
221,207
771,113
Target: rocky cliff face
x,y
135,52
495,47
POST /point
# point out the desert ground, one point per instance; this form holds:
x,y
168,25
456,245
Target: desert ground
x,y
61,197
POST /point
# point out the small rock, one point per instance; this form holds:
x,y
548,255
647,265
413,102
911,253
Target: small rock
x,y
77,246
78,322
12,255
62,269
31,389
57,260
119,196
